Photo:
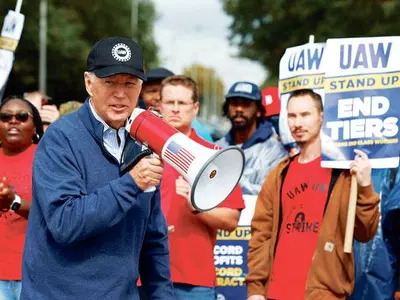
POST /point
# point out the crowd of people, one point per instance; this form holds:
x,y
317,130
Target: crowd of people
x,y
77,223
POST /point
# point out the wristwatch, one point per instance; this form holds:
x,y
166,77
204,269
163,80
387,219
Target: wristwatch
x,y
16,204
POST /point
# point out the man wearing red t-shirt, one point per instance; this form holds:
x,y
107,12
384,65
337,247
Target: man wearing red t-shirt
x,y
192,234
296,247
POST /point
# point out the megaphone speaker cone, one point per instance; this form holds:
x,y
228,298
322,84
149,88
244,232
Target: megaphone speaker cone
x,y
212,174
217,178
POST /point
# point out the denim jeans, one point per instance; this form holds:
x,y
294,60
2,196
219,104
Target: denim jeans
x,y
193,292
10,289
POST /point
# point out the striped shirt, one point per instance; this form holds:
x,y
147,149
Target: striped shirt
x,y
110,139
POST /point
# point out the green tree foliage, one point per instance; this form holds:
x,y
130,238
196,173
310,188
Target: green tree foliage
x,y
264,29
208,81
73,28
210,88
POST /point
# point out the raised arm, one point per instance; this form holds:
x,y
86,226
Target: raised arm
x,y
367,210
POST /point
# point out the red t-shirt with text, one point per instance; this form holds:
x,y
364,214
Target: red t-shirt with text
x,y
192,242
18,170
304,195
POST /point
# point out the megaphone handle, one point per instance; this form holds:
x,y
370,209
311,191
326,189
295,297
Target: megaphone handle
x,y
153,187
150,189
126,167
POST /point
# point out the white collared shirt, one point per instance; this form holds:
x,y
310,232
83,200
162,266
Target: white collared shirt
x,y
110,139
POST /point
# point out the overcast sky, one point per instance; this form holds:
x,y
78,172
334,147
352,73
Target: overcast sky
x,y
196,31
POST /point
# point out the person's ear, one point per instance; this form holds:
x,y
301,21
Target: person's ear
x,y
196,107
88,83
35,136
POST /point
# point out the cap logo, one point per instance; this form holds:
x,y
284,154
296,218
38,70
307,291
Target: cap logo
x,y
244,87
121,52
268,99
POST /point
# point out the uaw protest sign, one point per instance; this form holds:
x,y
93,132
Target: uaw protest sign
x,y
299,68
362,101
9,38
230,255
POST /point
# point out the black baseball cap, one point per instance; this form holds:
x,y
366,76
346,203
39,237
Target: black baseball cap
x,y
116,55
156,74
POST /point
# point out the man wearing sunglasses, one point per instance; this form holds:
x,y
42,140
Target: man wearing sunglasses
x,y
91,225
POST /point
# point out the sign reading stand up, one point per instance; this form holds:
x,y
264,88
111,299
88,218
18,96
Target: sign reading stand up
x,y
362,107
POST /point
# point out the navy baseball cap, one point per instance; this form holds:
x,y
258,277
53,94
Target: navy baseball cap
x,y
244,89
116,55
158,74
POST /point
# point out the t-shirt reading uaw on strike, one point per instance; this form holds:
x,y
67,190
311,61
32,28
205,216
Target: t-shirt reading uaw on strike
x,y
304,195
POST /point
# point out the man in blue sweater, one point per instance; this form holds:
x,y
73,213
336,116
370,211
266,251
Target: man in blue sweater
x,y
92,226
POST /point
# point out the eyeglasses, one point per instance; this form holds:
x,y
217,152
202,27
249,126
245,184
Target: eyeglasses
x,y
172,103
22,116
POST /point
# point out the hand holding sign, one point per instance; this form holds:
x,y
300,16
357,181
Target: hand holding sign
x,y
361,110
9,38
360,169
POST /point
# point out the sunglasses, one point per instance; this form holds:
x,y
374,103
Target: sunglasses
x,y
22,116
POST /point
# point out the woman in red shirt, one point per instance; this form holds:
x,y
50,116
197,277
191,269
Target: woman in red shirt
x,y
20,129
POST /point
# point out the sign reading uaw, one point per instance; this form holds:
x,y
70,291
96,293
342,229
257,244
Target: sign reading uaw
x,y
299,68
362,101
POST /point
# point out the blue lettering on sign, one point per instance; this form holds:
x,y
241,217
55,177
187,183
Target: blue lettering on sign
x,y
305,60
365,56
10,26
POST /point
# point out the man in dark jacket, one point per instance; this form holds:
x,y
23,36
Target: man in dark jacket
x,y
252,133
92,226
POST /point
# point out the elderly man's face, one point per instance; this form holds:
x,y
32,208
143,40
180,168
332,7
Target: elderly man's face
x,y
114,97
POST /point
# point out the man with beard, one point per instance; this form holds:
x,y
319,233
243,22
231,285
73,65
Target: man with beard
x,y
308,264
251,132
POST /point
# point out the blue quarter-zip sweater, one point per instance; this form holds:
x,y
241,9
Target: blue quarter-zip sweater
x,y
90,228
